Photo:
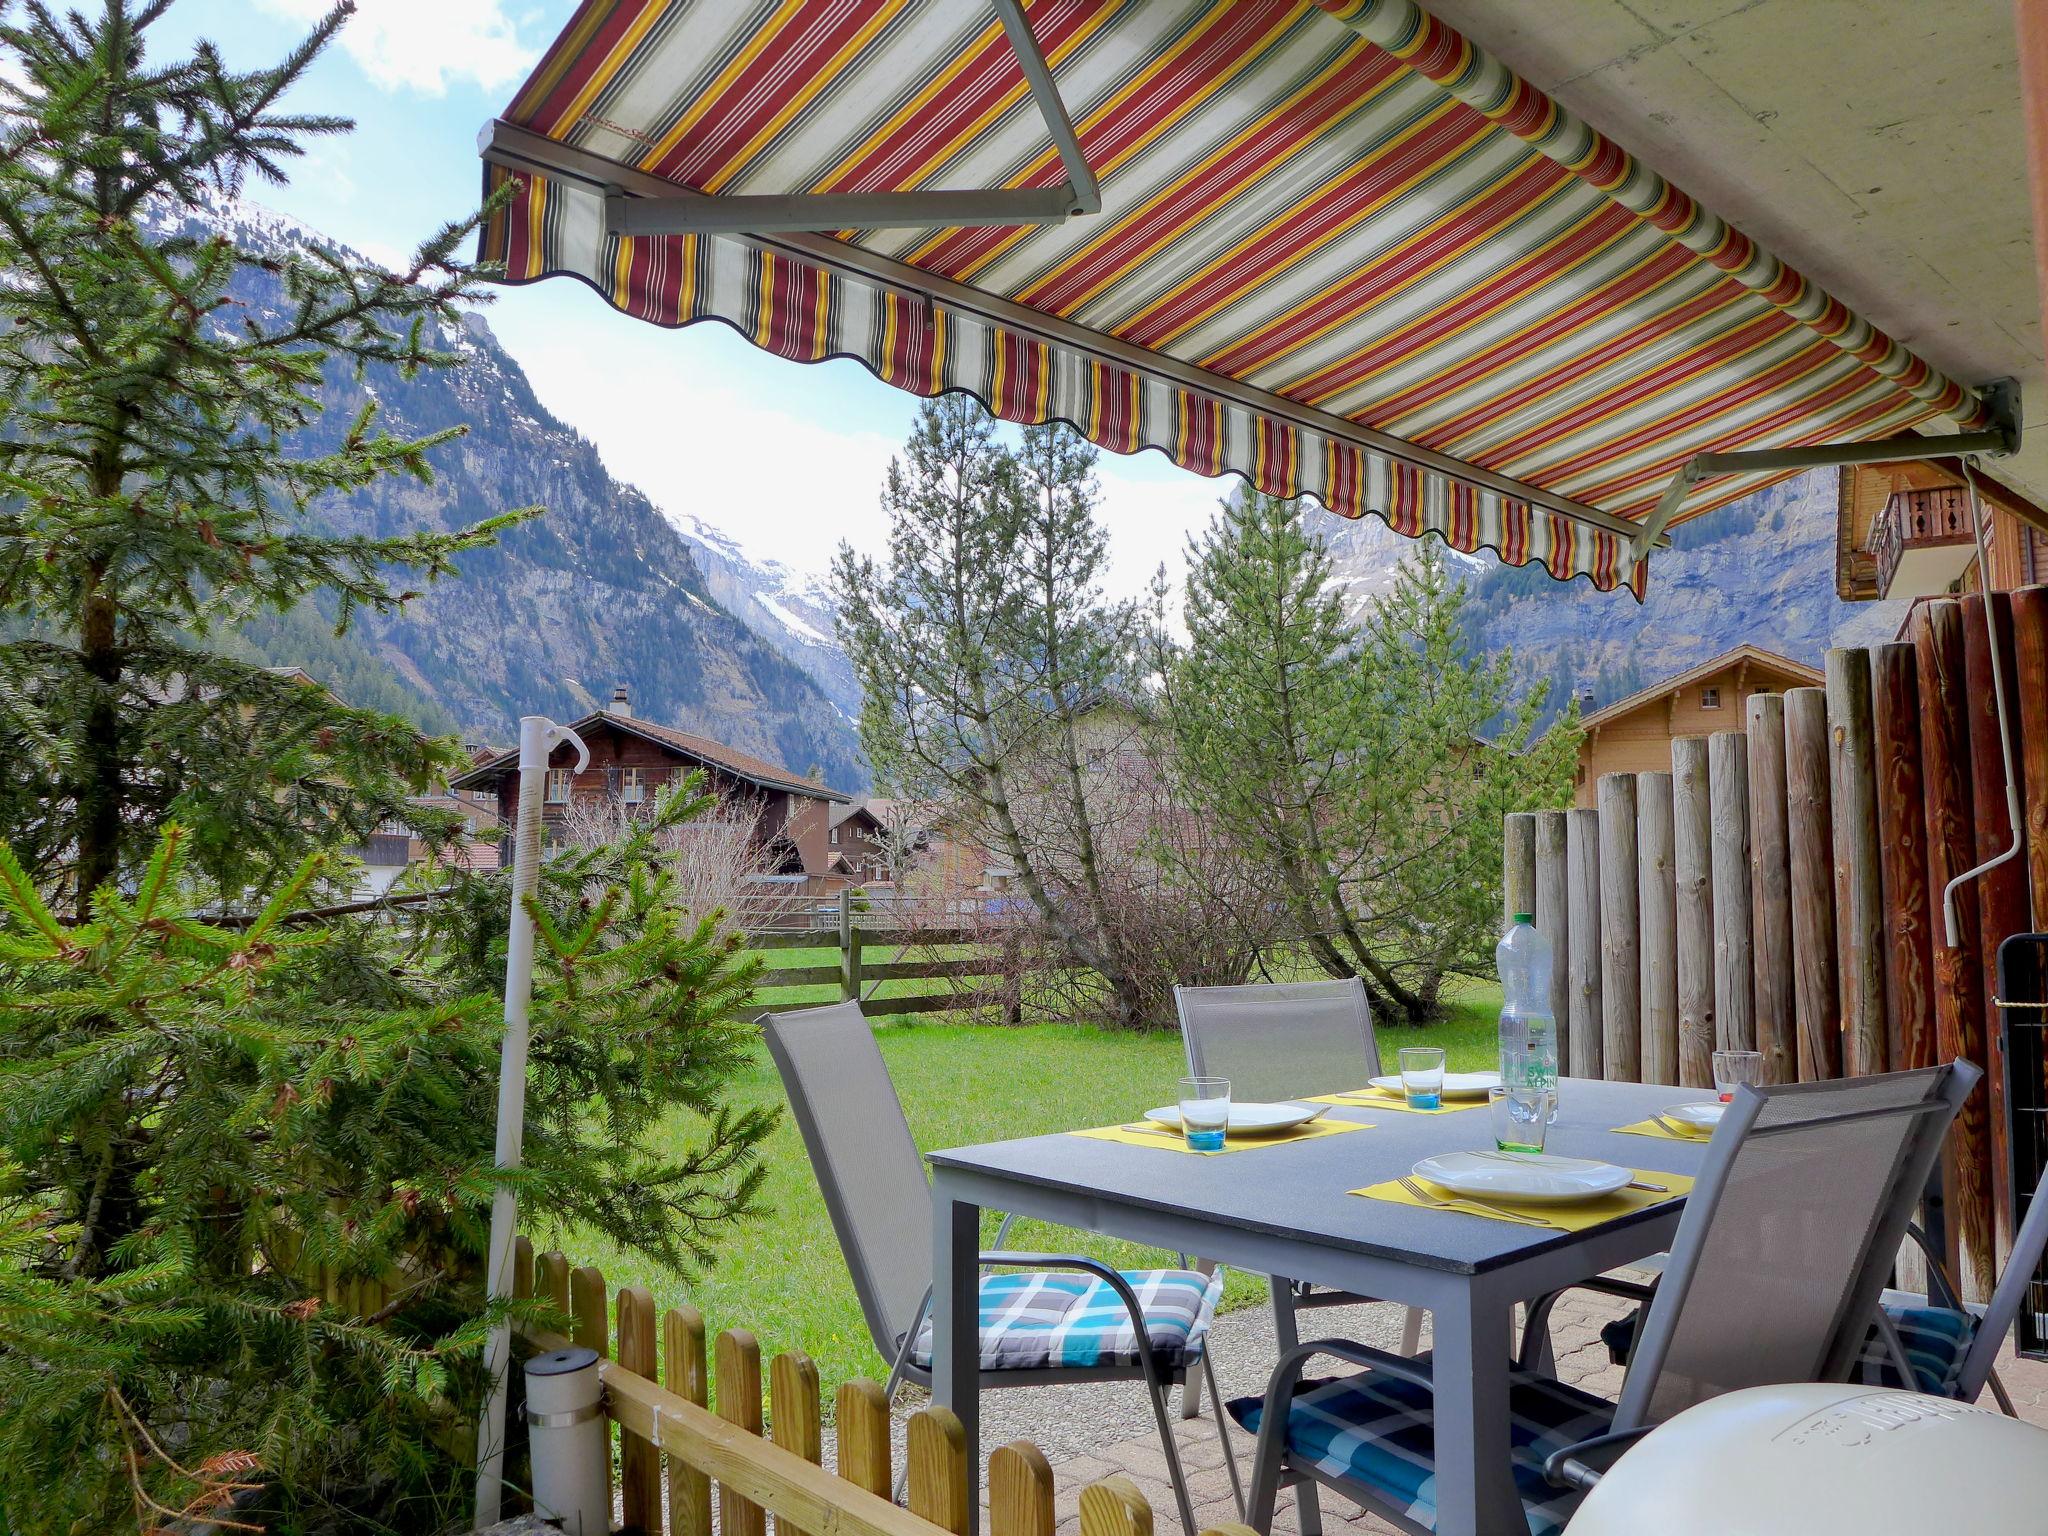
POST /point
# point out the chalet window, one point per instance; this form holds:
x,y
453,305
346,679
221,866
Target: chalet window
x,y
835,837
633,785
558,786
1710,698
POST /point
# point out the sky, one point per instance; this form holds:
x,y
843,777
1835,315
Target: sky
x,y
701,421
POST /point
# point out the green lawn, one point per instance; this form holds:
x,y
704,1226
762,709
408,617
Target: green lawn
x,y
782,1276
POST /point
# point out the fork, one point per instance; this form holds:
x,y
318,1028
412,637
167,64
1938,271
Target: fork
x,y
1151,1130
1683,1133
1439,1203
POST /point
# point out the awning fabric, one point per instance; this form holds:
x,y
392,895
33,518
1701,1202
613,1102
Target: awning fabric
x,y
1345,205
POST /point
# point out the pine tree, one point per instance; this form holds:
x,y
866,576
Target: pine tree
x,y
981,647
1363,766
250,1169
148,491
221,1135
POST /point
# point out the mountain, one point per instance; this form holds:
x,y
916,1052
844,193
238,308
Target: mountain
x,y
792,611
1759,571
601,590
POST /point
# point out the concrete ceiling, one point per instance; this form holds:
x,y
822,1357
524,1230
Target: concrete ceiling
x,y
1876,145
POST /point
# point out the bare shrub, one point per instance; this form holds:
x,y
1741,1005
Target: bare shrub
x,y
720,858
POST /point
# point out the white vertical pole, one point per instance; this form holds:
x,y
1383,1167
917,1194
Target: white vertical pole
x,y
537,738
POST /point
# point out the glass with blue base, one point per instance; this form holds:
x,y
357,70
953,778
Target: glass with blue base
x,y
1204,1112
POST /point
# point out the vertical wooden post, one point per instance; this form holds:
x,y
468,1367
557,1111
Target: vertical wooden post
x,y
1859,874
1114,1507
1621,1035
1019,1491
1770,890
1958,983
639,1462
1809,819
590,1328
1734,994
862,1416
937,1450
1657,908
793,1415
522,1269
688,1376
1553,921
2030,650
1582,873
739,1402
1693,862
2001,892
1902,846
1518,866
849,950
551,1279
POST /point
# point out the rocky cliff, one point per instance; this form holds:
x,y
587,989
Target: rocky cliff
x,y
603,589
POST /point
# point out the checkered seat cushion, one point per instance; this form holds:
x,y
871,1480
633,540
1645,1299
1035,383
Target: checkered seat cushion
x,y
1049,1319
1381,1432
1937,1341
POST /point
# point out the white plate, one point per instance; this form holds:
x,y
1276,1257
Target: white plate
x,y
1538,1178
1250,1119
1457,1085
1699,1117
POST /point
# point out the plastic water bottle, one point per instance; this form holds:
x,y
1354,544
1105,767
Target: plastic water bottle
x,y
1528,1032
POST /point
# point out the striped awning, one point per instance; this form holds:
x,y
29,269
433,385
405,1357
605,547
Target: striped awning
x,y
1341,252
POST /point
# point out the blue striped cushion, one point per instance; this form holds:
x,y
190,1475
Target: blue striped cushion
x,y
1052,1319
1378,1431
1937,1341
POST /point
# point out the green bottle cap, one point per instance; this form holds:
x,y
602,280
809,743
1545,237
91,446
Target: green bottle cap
x,y
1525,917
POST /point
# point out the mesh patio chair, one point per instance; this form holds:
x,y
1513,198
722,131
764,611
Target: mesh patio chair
x,y
1049,1318
1781,1256
1277,1041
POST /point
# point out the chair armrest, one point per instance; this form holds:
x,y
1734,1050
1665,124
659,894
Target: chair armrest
x,y
1607,1285
1568,1468
1938,1281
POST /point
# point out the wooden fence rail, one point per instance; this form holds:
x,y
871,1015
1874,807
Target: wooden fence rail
x,y
1780,888
696,1442
859,978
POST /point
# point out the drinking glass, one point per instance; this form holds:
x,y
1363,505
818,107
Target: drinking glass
x,y
1737,1069
1422,1076
1521,1116
1204,1112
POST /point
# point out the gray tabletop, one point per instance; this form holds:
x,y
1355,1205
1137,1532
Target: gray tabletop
x,y
1300,1189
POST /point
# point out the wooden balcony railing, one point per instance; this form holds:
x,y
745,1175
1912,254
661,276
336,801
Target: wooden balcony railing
x,y
1934,518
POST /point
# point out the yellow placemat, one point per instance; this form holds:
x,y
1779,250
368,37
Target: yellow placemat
x,y
1146,1135
1661,1132
1562,1218
1373,1098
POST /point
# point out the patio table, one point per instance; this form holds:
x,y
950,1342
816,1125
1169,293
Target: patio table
x,y
1285,1211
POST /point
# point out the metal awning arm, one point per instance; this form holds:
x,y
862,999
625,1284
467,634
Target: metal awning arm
x,y
686,212
1997,441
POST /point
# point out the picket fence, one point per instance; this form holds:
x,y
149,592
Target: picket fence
x,y
684,1464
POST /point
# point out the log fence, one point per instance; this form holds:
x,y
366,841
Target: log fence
x,y
694,1443
1780,888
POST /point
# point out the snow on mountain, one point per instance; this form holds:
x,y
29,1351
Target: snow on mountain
x,y
792,610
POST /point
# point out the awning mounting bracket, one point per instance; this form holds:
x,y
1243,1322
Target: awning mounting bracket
x,y
2002,438
687,212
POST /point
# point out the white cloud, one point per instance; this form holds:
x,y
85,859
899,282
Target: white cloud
x,y
407,45
753,447
783,486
